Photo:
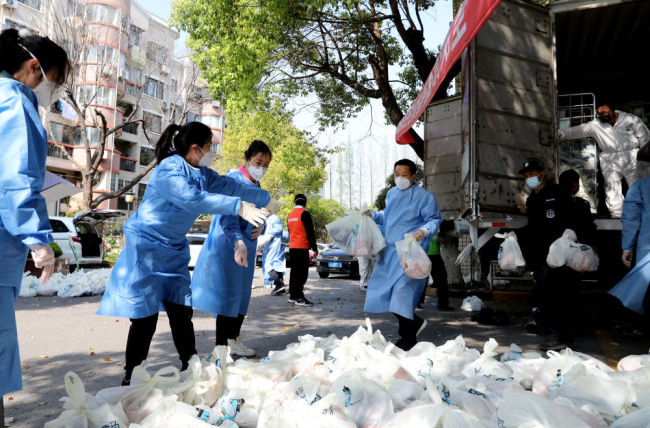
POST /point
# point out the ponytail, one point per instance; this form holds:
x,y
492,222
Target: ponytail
x,y
179,139
164,146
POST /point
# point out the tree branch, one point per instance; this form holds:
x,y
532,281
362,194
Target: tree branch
x,y
135,180
414,41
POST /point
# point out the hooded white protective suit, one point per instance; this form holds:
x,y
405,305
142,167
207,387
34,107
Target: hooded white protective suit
x,y
619,144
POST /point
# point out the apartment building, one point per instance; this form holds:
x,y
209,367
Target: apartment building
x,y
125,69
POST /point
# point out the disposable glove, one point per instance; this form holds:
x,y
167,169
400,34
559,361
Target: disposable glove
x,y
274,205
241,253
256,232
420,234
42,255
251,214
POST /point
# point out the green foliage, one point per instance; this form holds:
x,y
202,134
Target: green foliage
x,y
57,250
324,211
342,51
380,200
297,165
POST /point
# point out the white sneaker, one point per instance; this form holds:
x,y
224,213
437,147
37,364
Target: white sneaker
x,y
238,348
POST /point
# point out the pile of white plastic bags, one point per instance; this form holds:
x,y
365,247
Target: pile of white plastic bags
x,y
363,381
75,284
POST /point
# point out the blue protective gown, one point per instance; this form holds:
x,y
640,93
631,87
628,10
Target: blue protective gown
x,y
23,214
273,257
636,234
389,289
219,284
153,265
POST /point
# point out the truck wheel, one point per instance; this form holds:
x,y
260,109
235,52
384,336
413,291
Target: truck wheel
x,y
323,274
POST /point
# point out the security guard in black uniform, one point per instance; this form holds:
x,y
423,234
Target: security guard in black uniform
x,y
549,215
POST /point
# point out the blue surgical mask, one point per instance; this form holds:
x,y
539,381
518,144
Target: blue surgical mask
x,y
533,182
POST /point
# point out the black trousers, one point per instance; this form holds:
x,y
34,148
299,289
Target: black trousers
x,y
408,328
142,330
556,296
299,272
228,328
277,277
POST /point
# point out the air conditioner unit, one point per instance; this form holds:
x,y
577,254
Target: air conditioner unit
x,y
165,69
9,3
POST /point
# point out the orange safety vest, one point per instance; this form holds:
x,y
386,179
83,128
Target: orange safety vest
x,y
297,233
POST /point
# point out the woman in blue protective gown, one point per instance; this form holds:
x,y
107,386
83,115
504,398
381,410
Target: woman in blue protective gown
x,y
632,290
223,275
152,271
409,209
32,70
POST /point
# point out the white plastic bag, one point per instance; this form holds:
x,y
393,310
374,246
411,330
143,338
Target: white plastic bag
x,y
581,258
82,410
527,409
362,399
510,257
199,384
357,234
412,257
471,304
567,251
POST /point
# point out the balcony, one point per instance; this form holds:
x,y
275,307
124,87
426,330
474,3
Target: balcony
x,y
127,164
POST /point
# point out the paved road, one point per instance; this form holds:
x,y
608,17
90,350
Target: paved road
x,y
58,335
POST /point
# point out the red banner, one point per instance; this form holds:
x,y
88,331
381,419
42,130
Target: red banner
x,y
471,16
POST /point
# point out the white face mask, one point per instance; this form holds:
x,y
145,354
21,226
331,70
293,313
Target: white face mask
x,y
206,160
402,183
256,172
47,92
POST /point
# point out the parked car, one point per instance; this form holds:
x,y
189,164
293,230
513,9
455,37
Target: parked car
x,y
80,233
196,241
334,260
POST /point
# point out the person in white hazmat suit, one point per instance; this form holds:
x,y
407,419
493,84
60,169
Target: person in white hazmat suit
x,y
619,136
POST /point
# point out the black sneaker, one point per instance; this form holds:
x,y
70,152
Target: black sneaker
x,y
404,344
302,301
279,290
126,382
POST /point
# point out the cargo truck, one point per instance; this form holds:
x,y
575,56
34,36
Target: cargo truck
x,y
531,70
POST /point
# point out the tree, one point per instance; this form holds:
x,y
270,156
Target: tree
x,y
343,51
324,211
94,62
298,166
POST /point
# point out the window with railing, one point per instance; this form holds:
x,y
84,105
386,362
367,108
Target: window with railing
x,y
65,134
212,121
153,122
101,54
154,88
130,128
96,94
135,36
132,90
146,155
76,8
57,151
35,4
156,53
127,165
96,12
